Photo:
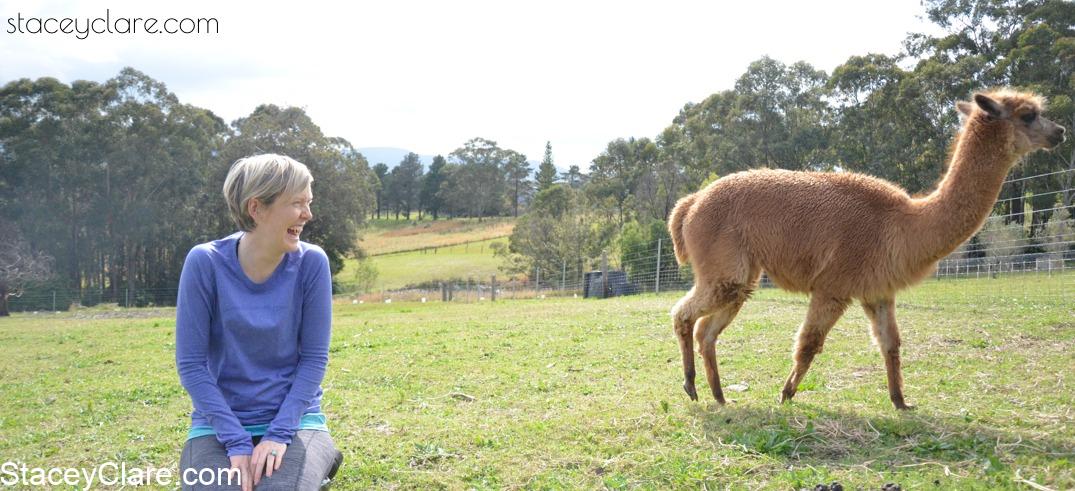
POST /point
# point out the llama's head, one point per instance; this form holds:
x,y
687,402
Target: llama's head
x,y
1018,112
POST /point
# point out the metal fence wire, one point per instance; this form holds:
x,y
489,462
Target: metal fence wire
x,y
1027,256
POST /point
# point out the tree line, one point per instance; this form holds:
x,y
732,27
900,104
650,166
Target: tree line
x,y
478,180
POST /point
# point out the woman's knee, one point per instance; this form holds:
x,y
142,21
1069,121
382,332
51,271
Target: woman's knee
x,y
323,459
204,464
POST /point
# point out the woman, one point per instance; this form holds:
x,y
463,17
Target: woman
x,y
253,322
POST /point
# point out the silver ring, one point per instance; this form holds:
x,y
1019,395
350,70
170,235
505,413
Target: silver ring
x,y
273,453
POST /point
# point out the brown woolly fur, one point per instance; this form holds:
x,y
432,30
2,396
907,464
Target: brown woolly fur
x,y
841,236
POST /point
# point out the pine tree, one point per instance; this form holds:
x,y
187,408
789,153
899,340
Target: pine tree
x,y
546,174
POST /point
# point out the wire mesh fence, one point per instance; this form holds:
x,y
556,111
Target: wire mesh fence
x,y
1017,257
56,299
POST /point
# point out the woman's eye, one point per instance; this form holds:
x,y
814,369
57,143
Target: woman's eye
x,y
1030,117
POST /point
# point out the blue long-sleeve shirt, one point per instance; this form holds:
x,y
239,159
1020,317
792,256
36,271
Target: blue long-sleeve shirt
x,y
252,353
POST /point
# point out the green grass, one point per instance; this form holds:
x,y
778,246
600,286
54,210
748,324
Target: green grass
x,y
569,394
474,260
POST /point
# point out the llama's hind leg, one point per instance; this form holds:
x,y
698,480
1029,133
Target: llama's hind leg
x,y
882,314
705,333
702,300
823,313
684,315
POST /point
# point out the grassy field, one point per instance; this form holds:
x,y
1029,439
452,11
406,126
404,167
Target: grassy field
x,y
387,236
474,259
569,394
407,253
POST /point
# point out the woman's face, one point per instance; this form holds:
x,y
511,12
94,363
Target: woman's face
x,y
281,222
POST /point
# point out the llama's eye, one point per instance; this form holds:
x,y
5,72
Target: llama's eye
x,y
1029,117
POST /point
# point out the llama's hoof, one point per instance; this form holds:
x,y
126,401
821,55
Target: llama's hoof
x,y
785,396
691,392
904,407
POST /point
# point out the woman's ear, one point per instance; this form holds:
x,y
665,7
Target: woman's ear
x,y
253,206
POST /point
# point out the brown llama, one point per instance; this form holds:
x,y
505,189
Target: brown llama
x,y
841,236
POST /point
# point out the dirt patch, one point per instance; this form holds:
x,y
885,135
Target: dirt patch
x,y
426,228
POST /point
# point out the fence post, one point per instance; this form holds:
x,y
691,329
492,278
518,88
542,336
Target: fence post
x,y
537,283
126,297
53,300
604,274
563,277
492,291
657,285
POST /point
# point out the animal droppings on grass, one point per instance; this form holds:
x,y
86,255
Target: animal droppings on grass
x,y
381,427
740,387
459,396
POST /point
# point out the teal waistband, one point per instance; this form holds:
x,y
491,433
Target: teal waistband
x,y
309,421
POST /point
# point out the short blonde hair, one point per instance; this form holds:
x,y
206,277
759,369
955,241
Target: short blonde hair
x,y
263,177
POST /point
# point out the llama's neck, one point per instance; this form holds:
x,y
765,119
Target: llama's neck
x,y
956,210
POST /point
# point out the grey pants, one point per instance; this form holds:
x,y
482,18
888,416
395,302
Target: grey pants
x,y
309,464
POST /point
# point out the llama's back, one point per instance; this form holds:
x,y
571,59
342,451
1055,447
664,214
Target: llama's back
x,y
831,232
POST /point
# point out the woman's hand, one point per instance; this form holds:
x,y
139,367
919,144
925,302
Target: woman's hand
x,y
268,456
241,463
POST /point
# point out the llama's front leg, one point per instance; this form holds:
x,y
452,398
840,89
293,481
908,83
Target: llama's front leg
x,y
823,314
882,314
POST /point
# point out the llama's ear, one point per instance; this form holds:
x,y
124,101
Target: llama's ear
x,y
991,107
964,107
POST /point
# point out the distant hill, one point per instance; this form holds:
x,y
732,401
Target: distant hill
x,y
390,156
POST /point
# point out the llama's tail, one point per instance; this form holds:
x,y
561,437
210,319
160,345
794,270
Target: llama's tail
x,y
675,227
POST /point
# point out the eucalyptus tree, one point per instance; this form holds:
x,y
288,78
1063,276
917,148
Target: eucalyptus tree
x,y
432,182
623,174
517,173
477,181
406,184
380,171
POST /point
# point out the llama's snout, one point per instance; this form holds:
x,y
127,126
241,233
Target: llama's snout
x,y
1057,137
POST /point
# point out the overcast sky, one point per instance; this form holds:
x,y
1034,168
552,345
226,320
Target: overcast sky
x,y
429,75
